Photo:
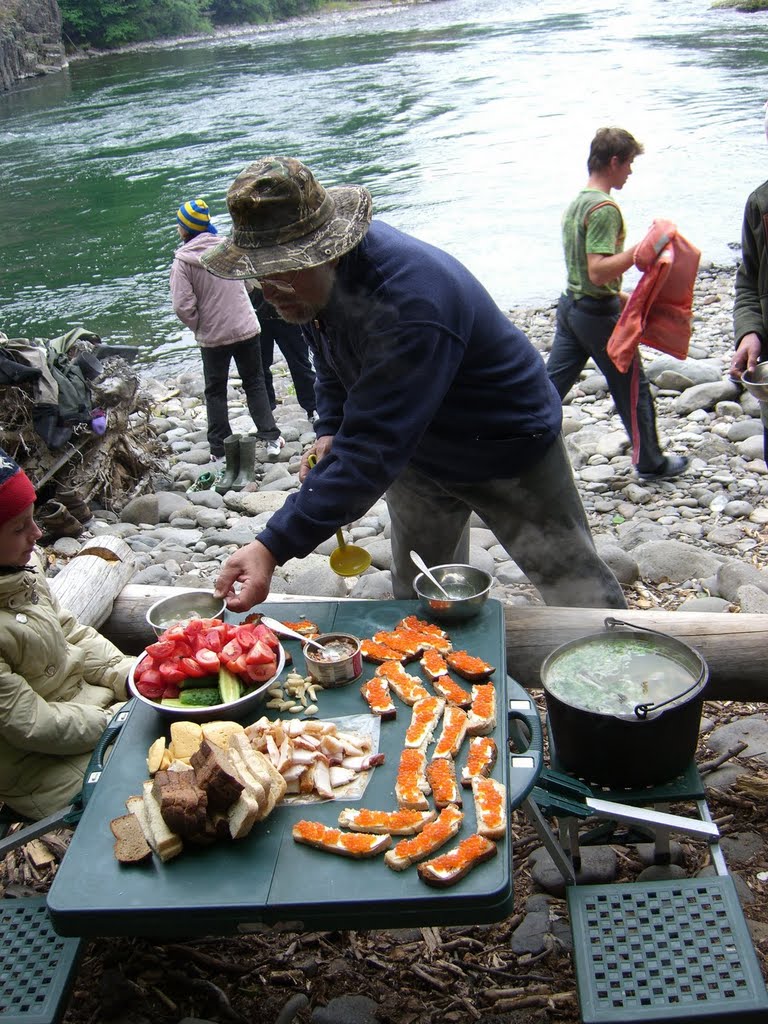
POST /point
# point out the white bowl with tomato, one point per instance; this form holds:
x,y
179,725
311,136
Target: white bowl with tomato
x,y
205,669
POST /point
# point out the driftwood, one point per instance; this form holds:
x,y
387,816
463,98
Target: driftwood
x,y
734,646
89,584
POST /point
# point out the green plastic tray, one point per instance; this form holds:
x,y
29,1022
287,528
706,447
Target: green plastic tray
x,y
37,966
649,953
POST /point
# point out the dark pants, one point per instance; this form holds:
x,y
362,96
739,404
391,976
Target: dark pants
x,y
247,356
537,517
290,341
583,329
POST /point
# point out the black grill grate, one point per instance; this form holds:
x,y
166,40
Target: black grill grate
x,y
671,950
37,966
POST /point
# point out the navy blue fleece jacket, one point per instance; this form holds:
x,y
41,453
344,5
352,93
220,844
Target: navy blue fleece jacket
x,y
415,364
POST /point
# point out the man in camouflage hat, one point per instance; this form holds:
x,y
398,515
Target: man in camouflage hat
x,y
425,392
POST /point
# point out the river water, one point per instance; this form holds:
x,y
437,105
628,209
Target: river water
x,y
469,120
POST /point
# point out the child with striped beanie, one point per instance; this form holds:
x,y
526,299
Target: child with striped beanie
x,y
194,217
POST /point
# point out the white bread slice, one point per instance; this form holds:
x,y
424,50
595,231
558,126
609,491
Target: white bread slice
x,y
431,838
490,807
482,714
257,766
405,822
449,867
427,712
186,737
243,814
220,732
164,843
346,844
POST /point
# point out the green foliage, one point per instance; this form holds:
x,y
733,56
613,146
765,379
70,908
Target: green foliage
x,y
111,23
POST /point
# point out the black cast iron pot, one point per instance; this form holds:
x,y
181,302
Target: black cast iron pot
x,y
645,742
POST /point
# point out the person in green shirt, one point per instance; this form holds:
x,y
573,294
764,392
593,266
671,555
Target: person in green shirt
x,y
595,258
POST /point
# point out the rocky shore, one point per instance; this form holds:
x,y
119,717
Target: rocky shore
x,y
700,538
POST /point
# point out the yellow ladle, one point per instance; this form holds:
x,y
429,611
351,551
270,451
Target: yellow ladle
x,y
347,559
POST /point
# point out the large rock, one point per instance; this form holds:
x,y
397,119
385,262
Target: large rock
x,y
30,40
673,561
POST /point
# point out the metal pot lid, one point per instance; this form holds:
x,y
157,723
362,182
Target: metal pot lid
x,y
623,673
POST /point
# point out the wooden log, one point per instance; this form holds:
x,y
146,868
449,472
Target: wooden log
x,y
91,581
733,646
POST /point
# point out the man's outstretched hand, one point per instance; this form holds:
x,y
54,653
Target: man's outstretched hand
x,y
252,567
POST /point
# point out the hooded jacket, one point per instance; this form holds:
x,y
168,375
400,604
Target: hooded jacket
x,y
217,311
57,678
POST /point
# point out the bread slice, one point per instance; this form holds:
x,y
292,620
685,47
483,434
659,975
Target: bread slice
x,y
441,776
490,807
404,822
243,814
411,784
482,713
454,730
155,755
146,808
427,712
131,846
480,759
347,844
434,835
257,767
454,865
469,667
376,693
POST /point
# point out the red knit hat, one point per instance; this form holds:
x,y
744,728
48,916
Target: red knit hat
x,y
16,490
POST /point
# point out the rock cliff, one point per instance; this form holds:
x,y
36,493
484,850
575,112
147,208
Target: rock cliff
x,y
30,40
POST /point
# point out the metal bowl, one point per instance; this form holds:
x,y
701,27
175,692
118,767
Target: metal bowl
x,y
756,382
470,586
235,710
183,606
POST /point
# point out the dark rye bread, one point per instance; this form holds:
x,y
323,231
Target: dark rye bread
x,y
130,845
216,775
183,804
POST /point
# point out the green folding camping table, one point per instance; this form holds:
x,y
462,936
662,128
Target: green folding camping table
x,y
267,878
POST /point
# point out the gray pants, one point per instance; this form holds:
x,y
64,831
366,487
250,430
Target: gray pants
x,y
537,517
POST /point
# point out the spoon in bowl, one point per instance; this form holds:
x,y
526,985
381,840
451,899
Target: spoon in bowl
x,y
419,562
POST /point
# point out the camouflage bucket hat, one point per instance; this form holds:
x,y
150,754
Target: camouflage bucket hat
x,y
283,220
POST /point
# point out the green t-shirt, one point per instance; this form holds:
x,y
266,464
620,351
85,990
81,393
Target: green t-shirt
x,y
603,233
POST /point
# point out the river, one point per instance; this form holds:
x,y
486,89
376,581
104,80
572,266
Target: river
x,y
469,120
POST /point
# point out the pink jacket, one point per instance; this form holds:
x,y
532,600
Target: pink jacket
x,y
217,311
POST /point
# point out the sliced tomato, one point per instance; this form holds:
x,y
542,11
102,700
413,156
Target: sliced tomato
x,y
239,666
143,665
208,659
171,672
193,626
191,668
265,633
171,691
214,640
261,673
231,650
162,649
245,635
174,633
260,654
151,685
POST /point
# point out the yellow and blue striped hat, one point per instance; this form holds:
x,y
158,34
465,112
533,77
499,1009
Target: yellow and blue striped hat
x,y
195,217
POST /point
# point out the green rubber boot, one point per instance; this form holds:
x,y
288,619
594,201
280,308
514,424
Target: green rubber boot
x,y
247,463
231,465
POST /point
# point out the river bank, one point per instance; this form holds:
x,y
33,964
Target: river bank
x,y
700,538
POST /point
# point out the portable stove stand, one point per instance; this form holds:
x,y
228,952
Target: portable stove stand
x,y
651,952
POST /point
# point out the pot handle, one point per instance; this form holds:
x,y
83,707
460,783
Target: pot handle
x,y
526,763
642,710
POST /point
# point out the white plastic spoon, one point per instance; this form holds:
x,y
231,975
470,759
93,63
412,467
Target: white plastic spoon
x,y
278,627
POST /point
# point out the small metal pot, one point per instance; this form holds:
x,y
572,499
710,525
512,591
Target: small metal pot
x,y
336,671
648,744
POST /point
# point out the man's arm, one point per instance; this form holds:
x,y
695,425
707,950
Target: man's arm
x,y
603,269
252,567
748,325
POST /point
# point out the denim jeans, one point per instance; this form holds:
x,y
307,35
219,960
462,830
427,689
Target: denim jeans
x,y
247,357
583,329
538,517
